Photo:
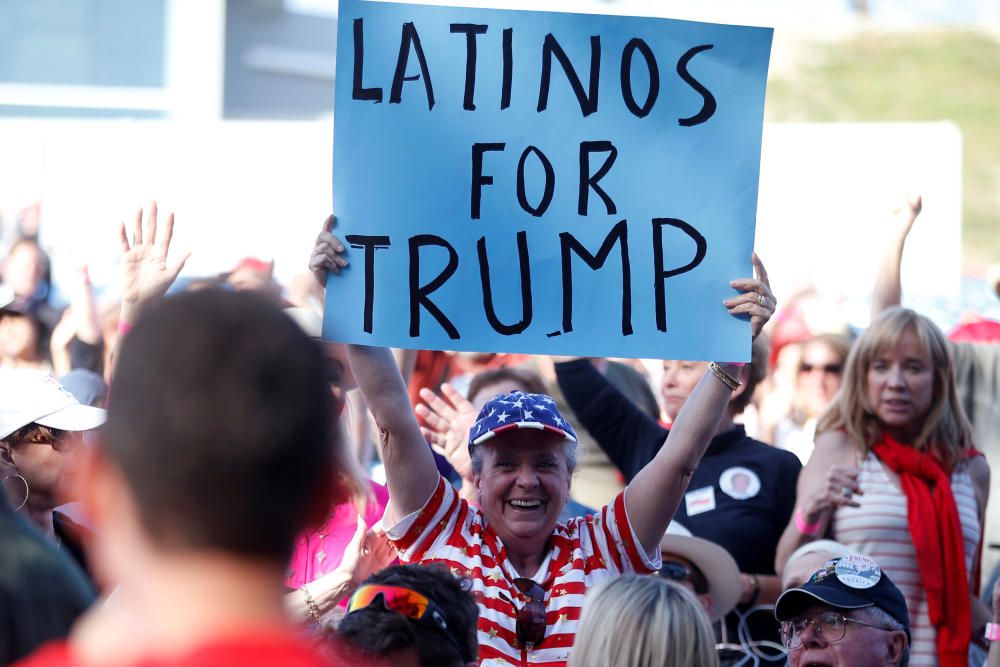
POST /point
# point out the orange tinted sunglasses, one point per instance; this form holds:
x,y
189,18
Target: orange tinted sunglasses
x,y
409,603
404,601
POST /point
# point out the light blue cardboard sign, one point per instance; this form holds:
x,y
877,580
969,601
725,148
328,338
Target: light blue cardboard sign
x,y
538,182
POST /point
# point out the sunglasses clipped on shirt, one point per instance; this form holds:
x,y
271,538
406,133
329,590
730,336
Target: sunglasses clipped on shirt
x,y
530,618
410,604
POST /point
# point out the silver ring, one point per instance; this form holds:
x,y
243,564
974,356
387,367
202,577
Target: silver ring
x,y
846,492
761,301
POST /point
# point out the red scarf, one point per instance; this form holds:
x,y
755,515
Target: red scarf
x,y
937,539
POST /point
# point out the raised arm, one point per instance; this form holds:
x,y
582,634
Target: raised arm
x,y
627,435
888,292
147,272
828,481
652,497
409,465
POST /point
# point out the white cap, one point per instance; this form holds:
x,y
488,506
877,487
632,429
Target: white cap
x,y
28,396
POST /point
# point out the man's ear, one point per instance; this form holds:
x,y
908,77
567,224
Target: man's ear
x,y
897,646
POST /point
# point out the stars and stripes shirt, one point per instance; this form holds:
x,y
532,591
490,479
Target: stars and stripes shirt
x,y
583,552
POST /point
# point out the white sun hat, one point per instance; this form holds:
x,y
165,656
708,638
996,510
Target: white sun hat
x,y
28,396
718,567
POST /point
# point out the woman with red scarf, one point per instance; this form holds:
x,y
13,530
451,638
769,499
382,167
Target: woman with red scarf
x,y
895,476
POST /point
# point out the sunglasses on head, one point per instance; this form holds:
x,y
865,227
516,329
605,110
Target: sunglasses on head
x,y
826,369
530,618
407,602
674,571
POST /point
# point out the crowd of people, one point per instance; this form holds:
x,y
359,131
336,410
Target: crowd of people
x,y
192,476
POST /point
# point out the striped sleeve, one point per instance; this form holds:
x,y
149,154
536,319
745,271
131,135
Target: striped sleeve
x,y
417,536
616,542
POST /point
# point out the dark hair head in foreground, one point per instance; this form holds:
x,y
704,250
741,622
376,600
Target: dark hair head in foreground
x,y
377,632
221,423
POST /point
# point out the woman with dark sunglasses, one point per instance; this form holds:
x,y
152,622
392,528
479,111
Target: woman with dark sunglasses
x,y
817,379
529,571
41,426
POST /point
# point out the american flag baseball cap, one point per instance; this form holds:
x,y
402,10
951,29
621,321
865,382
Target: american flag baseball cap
x,y
517,410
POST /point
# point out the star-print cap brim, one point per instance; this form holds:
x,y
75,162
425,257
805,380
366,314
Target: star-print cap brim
x,y
517,410
517,425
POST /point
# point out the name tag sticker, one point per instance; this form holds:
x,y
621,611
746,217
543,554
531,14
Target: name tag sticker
x,y
700,501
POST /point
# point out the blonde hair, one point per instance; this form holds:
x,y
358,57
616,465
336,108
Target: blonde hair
x,y
945,430
643,621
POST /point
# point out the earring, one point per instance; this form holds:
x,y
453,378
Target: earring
x,y
27,491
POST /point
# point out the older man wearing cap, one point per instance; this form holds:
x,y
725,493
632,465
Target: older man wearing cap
x,y
849,614
40,427
529,571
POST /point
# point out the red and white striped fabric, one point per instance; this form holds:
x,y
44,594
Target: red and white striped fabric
x,y
584,551
880,529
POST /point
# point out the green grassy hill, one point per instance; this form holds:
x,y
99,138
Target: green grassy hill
x,y
922,76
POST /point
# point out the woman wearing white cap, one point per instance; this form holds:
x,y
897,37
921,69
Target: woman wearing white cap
x,y
40,426
528,571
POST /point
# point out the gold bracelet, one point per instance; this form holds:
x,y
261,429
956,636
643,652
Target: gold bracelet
x,y
311,604
727,379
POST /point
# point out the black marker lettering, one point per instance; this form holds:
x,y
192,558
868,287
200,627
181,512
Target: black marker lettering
x,y
587,181
508,67
525,272
587,100
550,183
626,76
708,105
369,244
660,274
470,30
419,295
478,180
360,92
410,39
569,244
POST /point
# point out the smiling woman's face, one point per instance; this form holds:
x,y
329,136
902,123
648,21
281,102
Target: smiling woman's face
x,y
523,486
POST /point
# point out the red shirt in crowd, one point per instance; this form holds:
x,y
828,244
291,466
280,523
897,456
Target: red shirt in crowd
x,y
256,649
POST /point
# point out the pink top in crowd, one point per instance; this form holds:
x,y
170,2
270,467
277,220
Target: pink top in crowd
x,y
319,551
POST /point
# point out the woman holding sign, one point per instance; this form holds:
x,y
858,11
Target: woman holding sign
x,y
529,572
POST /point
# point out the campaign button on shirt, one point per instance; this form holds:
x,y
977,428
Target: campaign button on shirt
x,y
739,483
699,501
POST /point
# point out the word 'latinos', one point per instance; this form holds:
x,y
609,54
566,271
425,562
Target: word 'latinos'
x,y
587,96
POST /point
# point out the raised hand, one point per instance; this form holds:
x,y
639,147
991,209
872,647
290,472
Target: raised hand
x,y
327,254
908,208
757,299
368,552
450,417
146,271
